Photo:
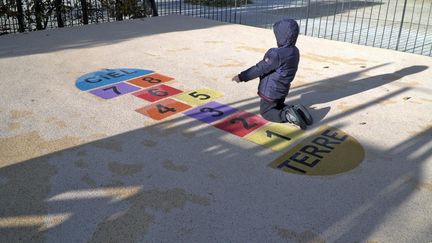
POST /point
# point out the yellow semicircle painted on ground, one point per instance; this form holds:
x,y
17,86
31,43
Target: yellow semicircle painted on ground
x,y
328,151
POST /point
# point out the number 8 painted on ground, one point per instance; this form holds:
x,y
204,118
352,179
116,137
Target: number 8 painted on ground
x,y
151,80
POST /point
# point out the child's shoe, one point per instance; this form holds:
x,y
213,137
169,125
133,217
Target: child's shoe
x,y
294,117
304,113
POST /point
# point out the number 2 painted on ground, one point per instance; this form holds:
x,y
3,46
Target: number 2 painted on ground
x,y
243,122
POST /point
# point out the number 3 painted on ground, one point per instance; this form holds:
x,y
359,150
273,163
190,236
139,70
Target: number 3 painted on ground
x,y
209,109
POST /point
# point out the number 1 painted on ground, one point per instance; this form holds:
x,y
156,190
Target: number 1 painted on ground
x,y
270,134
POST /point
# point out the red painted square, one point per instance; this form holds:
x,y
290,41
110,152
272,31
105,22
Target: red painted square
x,y
241,123
157,93
163,109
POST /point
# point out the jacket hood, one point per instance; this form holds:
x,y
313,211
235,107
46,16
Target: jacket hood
x,y
286,32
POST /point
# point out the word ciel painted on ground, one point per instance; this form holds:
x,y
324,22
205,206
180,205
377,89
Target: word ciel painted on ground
x,y
309,157
108,76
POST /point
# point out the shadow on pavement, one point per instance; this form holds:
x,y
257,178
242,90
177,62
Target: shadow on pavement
x,y
182,180
96,34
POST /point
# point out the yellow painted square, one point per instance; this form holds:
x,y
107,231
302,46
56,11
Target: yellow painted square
x,y
276,136
199,96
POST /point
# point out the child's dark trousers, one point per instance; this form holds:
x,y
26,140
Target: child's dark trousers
x,y
273,111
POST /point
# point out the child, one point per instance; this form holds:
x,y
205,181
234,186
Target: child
x,y
276,71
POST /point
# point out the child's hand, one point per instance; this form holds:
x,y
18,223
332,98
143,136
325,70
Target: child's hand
x,y
236,79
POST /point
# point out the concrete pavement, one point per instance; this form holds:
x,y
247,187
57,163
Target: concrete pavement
x,y
75,167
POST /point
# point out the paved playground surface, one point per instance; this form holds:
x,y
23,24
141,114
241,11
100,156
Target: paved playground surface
x,y
133,131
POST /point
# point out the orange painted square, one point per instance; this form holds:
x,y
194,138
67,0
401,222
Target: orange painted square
x,y
150,80
163,109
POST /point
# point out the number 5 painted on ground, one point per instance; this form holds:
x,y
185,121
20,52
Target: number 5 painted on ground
x,y
197,95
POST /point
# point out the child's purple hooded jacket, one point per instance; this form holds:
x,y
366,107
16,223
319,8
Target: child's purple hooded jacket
x,y
279,65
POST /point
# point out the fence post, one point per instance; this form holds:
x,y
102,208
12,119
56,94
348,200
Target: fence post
x,y
20,16
307,17
400,28
38,13
154,8
59,8
235,11
84,11
118,10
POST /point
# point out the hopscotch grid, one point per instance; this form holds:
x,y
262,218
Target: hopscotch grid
x,y
238,122
192,105
225,119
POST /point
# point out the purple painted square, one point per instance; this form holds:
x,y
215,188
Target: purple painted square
x,y
211,112
113,91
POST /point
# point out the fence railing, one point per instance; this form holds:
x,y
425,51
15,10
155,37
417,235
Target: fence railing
x,y
403,25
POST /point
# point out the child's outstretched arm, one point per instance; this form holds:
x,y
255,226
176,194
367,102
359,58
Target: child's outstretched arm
x,y
265,66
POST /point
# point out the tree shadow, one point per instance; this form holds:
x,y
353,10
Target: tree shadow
x,y
342,86
110,33
398,171
96,34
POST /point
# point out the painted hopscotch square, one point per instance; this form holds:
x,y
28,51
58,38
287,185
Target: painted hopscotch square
x,y
199,96
211,112
241,123
163,109
150,80
158,92
276,136
112,91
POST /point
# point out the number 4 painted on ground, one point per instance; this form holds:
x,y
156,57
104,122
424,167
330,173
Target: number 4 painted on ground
x,y
163,109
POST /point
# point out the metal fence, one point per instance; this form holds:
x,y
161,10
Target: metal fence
x,y
403,25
